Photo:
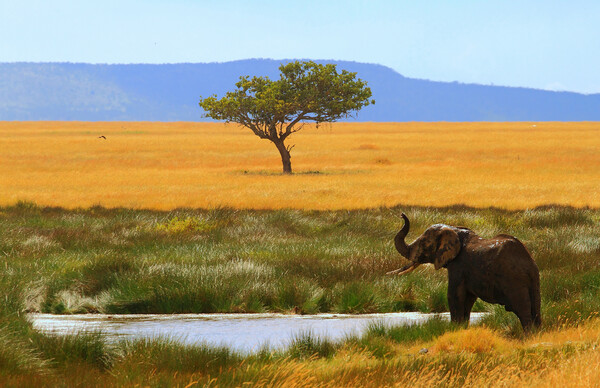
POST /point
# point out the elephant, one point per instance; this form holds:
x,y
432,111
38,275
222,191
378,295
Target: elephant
x,y
497,270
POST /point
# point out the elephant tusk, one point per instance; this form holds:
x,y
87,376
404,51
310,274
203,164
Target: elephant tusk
x,y
404,270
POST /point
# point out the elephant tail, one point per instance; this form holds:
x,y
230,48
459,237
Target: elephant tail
x,y
534,295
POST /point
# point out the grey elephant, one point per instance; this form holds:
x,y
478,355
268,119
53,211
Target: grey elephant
x,y
497,270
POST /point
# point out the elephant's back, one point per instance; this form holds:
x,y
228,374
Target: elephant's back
x,y
512,258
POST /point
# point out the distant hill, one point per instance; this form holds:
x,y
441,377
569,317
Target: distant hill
x,y
170,92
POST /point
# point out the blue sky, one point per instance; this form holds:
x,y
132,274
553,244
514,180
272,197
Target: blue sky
x,y
541,44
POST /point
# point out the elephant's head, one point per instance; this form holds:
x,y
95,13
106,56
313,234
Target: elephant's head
x,y
437,245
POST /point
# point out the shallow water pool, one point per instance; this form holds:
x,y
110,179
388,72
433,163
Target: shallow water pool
x,y
241,332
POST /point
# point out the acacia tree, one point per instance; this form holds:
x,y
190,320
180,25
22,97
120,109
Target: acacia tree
x,y
305,92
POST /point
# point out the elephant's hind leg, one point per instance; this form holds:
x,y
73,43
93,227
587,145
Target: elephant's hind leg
x,y
521,305
469,302
534,296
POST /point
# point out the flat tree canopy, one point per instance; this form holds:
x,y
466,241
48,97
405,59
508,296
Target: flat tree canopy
x,y
273,110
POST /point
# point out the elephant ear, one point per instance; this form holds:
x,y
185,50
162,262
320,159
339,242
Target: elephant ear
x,y
448,246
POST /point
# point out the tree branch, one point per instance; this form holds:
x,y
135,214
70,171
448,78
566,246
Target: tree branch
x,y
288,129
255,127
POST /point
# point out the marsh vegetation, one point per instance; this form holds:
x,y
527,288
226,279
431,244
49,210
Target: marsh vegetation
x,y
230,260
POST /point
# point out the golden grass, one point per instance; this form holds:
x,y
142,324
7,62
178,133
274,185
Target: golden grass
x,y
557,358
360,165
476,357
474,340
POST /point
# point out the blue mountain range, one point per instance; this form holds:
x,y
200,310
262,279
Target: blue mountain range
x,y
170,92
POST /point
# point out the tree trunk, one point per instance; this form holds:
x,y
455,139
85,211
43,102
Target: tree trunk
x,y
285,157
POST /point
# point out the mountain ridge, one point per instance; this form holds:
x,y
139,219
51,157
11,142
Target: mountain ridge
x,y
170,92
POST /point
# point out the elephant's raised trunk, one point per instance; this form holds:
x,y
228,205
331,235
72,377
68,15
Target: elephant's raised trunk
x,y
399,239
403,248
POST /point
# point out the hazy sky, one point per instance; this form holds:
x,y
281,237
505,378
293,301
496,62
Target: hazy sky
x,y
542,44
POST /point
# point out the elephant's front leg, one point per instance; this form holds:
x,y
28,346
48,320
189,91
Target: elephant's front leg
x,y
457,299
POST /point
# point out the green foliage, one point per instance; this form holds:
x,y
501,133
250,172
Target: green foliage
x,y
305,91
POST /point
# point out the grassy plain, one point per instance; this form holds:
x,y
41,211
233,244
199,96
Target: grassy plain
x,y
339,166
318,241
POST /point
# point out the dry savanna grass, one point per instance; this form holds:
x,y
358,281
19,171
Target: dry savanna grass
x,y
476,357
473,357
343,165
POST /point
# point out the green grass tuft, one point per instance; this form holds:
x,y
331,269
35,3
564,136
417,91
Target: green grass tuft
x,y
307,345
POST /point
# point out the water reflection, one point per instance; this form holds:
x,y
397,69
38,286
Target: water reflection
x,y
242,332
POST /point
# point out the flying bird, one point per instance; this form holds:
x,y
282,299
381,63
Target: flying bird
x,y
102,137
